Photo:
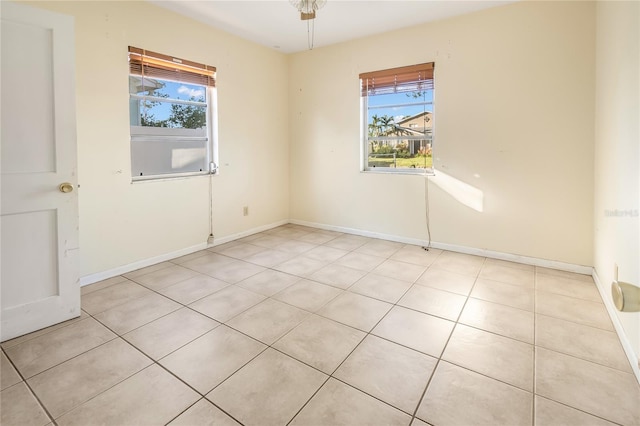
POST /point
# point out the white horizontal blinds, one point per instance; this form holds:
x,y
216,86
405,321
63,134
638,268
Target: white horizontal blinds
x,y
156,65
397,80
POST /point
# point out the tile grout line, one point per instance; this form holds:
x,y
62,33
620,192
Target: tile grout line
x,y
444,348
28,386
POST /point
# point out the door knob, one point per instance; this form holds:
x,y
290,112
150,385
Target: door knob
x,y
65,187
626,297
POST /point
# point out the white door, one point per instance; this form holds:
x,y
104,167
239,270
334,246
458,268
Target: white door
x,y
39,222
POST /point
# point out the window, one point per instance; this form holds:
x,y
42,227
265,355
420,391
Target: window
x,y
397,119
172,116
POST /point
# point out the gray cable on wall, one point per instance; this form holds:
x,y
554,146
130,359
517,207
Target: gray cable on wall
x,y
426,211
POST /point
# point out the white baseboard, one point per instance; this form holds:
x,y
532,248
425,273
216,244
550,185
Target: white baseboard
x,y
634,359
99,276
237,236
551,264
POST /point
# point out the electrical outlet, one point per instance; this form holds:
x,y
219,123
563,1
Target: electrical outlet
x,y
245,210
615,272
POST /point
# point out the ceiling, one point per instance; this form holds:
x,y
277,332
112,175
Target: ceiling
x,y
276,23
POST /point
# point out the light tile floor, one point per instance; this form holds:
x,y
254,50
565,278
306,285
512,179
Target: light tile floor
x,y
308,327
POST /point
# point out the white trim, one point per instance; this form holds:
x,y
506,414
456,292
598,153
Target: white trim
x,y
99,276
552,264
634,359
237,236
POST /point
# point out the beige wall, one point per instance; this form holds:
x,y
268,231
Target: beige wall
x,y
123,223
513,118
617,150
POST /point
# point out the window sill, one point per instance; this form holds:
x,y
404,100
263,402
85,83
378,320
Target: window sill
x,y
165,178
414,172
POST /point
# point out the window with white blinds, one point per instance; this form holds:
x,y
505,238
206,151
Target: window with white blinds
x,y
172,104
397,119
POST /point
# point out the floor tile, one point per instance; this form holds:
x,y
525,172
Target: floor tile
x,y
227,303
18,406
422,332
432,301
268,241
551,413
90,288
148,269
210,359
295,247
338,404
235,271
416,255
400,270
356,311
131,315
270,258
417,422
457,396
347,242
500,319
465,264
288,232
300,266
188,291
564,274
308,295
182,259
571,309
568,287
268,282
48,350
165,277
203,413
208,264
8,375
76,381
326,254
495,356
110,297
508,275
598,390
316,238
360,261
277,386
509,264
151,396
241,251
447,281
380,287
164,335
505,294
320,342
578,340
337,276
381,248
395,374
268,320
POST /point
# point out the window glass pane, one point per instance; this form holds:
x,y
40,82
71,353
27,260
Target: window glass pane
x,y
159,157
167,89
400,130
152,113
400,154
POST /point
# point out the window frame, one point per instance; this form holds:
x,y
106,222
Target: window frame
x,y
364,116
196,75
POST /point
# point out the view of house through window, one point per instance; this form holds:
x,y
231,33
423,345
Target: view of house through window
x,y
170,105
397,119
